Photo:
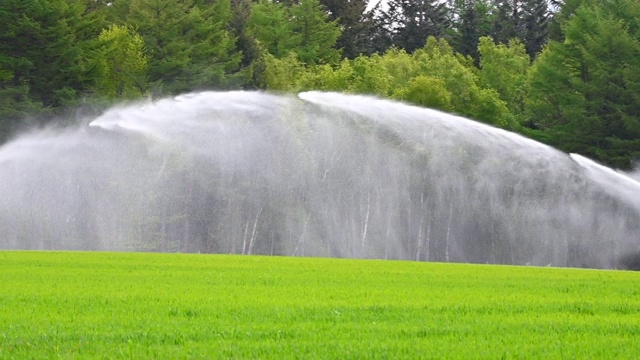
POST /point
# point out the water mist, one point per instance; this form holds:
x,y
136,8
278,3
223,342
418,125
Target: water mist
x,y
321,174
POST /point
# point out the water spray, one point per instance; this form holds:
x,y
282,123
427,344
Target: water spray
x,y
320,174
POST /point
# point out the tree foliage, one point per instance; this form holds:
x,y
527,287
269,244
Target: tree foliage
x,y
355,24
46,47
504,68
189,43
303,28
269,24
584,89
471,19
122,64
410,22
486,59
432,76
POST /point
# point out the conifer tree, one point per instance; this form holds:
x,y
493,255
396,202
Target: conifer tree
x,y
412,21
47,48
527,20
189,45
304,29
317,35
535,25
584,89
379,30
353,21
269,24
470,20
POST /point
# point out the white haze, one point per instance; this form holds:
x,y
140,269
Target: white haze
x,y
321,174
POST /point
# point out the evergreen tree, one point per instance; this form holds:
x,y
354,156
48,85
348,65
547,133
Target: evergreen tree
x,y
47,49
239,24
269,24
584,89
15,104
563,10
303,28
379,30
412,21
507,22
535,29
470,20
469,31
353,21
189,44
527,20
316,33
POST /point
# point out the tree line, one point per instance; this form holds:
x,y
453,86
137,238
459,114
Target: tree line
x,y
562,72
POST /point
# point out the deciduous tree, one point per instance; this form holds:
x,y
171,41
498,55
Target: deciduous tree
x,y
122,64
504,68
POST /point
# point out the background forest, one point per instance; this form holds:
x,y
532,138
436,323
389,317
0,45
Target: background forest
x,y
564,73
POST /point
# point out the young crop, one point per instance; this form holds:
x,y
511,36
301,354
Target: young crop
x,y
124,305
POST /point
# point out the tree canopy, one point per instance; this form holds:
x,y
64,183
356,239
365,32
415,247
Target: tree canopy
x,y
490,60
584,90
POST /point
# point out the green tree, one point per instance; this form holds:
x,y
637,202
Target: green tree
x,y
352,18
15,104
472,20
584,89
47,47
317,35
330,78
189,45
438,60
122,64
504,69
427,91
269,24
412,21
370,77
401,67
245,43
302,28
283,74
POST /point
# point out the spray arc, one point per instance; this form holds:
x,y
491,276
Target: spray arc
x,y
320,174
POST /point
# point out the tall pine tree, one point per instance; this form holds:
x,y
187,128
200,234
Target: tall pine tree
x,y
317,34
411,22
353,21
471,19
527,20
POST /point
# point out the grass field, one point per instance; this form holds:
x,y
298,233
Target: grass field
x,y
123,305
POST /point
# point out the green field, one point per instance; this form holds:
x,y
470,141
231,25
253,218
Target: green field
x,y
123,305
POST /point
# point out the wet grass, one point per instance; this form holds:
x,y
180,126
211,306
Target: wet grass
x,y
123,305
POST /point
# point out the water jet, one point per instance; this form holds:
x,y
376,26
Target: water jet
x,y
320,174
